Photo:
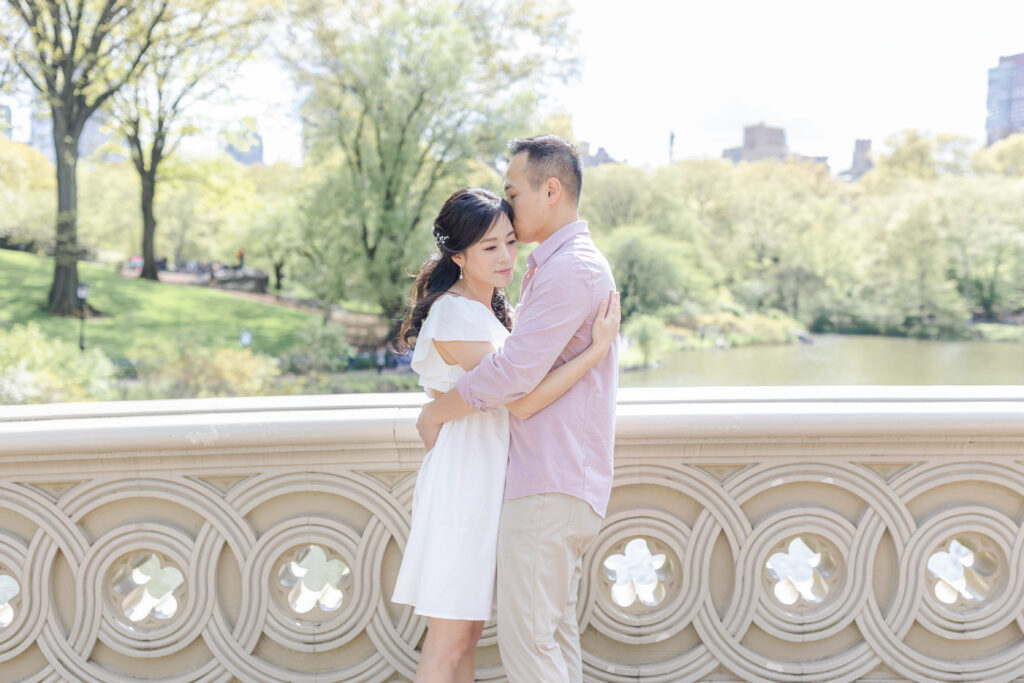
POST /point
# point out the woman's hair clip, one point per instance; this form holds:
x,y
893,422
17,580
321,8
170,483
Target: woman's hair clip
x,y
440,239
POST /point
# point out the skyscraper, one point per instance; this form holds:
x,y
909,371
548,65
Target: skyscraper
x,y
1005,98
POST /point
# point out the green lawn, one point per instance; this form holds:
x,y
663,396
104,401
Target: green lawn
x,y
140,310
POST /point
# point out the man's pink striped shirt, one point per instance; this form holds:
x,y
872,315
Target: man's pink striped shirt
x,y
567,447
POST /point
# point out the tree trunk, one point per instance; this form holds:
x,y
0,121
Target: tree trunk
x,y
63,297
278,274
149,270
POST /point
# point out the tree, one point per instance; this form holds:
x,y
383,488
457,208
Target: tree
x,y
76,54
26,195
208,207
908,283
614,195
402,96
653,271
650,335
982,222
774,206
916,155
1004,157
274,233
199,43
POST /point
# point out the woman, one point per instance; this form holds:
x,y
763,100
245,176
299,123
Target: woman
x,y
458,315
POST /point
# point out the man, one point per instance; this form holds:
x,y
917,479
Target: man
x,y
560,460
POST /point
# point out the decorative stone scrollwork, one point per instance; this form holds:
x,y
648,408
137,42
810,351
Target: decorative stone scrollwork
x,y
9,590
877,554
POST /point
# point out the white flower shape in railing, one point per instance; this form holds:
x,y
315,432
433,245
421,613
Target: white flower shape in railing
x,y
961,573
148,589
800,573
637,575
9,590
314,581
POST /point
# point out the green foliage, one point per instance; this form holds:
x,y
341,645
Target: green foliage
x,y
994,332
649,336
27,188
38,369
1004,157
404,97
207,209
109,216
615,195
171,369
727,328
652,271
321,347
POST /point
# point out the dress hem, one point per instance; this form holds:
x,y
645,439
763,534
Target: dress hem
x,y
436,615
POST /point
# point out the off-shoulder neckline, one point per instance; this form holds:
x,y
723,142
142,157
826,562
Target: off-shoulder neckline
x,y
466,298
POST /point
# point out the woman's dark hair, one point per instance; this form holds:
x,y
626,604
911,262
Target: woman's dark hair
x,y
462,222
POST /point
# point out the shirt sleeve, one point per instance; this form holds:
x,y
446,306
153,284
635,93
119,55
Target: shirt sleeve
x,y
560,302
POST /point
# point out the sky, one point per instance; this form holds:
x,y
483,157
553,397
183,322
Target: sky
x,y
827,71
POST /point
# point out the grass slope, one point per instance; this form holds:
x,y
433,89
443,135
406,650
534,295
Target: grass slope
x,y
141,310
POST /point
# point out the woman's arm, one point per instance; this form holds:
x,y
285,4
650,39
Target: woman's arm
x,y
559,380
468,354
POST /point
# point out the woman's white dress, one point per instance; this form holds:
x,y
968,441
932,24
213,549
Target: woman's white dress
x,y
448,567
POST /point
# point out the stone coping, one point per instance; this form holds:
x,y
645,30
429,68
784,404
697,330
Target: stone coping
x,y
387,421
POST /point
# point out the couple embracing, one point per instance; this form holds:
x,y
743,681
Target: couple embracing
x,y
520,430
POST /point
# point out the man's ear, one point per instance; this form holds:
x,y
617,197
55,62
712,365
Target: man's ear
x,y
554,189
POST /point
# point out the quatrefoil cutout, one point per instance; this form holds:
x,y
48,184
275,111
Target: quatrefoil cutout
x,y
800,572
148,588
637,574
962,573
314,581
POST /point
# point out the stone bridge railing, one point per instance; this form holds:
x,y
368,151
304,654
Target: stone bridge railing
x,y
805,534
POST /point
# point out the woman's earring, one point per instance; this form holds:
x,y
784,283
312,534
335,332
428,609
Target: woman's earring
x,y
460,272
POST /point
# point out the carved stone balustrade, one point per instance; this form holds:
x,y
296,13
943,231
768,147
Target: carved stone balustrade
x,y
798,534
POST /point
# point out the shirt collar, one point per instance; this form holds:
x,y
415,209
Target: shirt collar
x,y
558,239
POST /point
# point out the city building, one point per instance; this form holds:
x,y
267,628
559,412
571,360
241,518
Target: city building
x,y
762,142
759,142
1005,98
588,160
861,161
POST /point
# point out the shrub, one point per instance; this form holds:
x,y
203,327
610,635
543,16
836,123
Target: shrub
x,y
37,369
321,347
173,370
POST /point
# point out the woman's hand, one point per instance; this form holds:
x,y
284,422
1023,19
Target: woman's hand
x,y
606,324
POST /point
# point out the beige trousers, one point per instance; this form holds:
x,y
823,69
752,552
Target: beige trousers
x,y
541,540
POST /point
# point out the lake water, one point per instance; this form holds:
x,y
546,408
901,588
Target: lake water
x,y
840,359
